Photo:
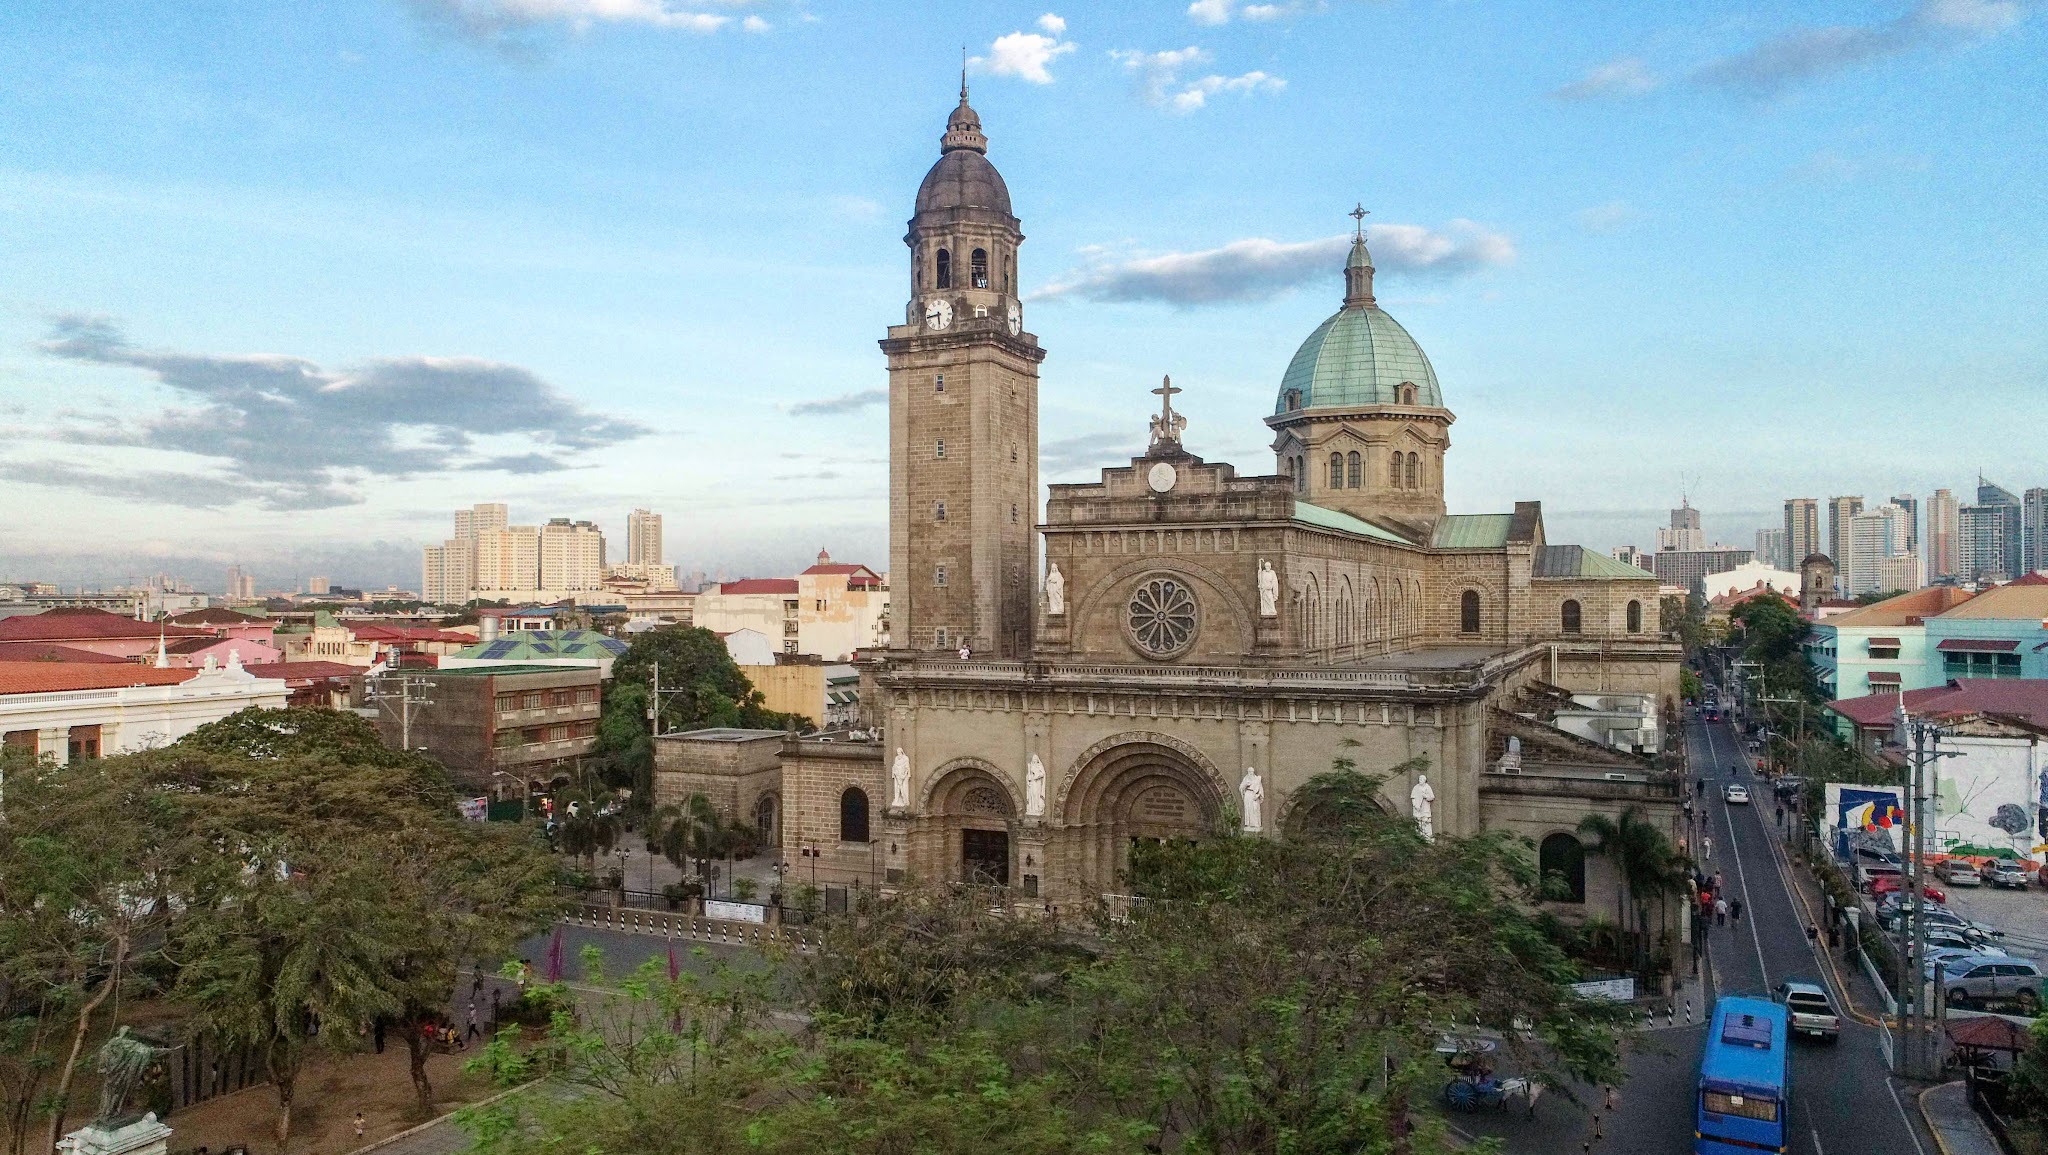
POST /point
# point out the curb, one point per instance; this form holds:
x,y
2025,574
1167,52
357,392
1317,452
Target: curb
x,y
437,1120
1920,1100
1789,876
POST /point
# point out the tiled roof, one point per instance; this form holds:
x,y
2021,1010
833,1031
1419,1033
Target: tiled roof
x,y
1901,610
1978,645
759,586
194,645
217,616
407,634
2025,698
836,568
1473,531
1322,517
532,645
1576,561
78,624
49,652
2024,598
305,671
53,677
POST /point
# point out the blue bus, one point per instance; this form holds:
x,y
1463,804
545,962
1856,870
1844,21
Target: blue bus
x,y
1743,1096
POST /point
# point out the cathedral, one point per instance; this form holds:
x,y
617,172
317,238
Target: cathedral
x,y
1174,648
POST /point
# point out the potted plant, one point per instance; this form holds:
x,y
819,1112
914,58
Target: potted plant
x,y
743,889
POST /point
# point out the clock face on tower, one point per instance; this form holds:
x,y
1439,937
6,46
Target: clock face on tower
x,y
938,313
1016,318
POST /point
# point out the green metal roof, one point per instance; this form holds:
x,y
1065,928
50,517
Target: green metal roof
x,y
1473,531
531,645
1331,519
1576,561
1357,357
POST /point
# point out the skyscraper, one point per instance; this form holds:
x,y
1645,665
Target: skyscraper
x,y
1990,535
571,555
1684,532
1772,550
2034,529
643,538
1802,529
1911,505
1840,510
1942,528
478,518
1876,537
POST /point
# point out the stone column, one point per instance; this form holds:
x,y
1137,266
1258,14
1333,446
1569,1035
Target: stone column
x,y
56,742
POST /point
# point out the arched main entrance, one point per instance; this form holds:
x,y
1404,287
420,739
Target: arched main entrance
x,y
969,809
768,819
1147,787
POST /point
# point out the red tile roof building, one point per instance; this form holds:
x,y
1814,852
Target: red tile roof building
x,y
79,710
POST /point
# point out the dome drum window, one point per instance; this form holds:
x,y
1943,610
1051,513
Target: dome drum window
x,y
1161,616
945,270
978,269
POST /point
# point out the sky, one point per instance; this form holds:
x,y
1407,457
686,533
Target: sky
x,y
284,285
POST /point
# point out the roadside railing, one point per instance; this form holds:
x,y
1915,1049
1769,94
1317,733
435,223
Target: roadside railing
x,y
691,927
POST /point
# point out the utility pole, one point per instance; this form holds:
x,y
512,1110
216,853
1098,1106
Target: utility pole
x,y
1917,1058
409,695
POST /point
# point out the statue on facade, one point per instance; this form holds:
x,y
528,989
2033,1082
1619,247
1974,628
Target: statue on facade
x,y
1055,590
122,1063
899,781
1167,426
1034,788
1253,791
1422,804
1269,590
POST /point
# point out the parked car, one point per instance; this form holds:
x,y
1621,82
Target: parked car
x,y
1869,874
1810,1010
2007,873
1735,792
1862,852
1989,978
1953,938
1959,872
1789,786
1899,919
1895,884
1940,956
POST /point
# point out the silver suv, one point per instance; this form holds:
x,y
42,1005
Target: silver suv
x,y
1981,978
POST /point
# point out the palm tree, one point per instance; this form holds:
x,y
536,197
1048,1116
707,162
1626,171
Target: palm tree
x,y
692,832
1643,861
589,826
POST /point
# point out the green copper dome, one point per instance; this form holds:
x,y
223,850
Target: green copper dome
x,y
1360,356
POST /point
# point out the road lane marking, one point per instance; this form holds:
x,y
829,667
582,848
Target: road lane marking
x,y
1742,876
1904,1118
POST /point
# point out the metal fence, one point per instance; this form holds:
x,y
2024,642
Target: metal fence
x,y
691,928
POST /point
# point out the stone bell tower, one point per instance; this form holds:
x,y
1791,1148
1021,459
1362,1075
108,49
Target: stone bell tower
x,y
963,415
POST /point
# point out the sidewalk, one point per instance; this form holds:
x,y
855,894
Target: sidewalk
x,y
1957,1129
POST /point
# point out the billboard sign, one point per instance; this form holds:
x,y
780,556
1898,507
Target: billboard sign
x,y
1878,812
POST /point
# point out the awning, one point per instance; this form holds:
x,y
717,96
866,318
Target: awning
x,y
1880,678
1977,646
1884,643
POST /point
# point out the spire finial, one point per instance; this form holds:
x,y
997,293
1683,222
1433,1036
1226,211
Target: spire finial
x,y
963,74
1359,214
1358,266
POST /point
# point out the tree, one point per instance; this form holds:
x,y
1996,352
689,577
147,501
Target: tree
x,y
700,686
1771,628
1646,866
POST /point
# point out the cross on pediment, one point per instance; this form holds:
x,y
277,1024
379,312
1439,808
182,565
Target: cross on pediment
x,y
1168,425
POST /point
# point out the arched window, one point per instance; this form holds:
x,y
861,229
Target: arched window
x,y
1561,860
978,269
1468,612
1570,616
1354,468
1394,471
944,278
1635,617
1336,471
853,814
1301,475
1414,471
1404,393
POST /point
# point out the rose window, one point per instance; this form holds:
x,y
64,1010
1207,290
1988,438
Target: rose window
x,y
1161,616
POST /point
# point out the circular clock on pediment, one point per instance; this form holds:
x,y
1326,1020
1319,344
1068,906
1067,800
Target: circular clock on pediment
x,y
1161,616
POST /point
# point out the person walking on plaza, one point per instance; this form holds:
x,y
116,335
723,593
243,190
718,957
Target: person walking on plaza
x,y
1720,912
1706,847
1781,814
1812,935
359,1126
473,1033
1735,910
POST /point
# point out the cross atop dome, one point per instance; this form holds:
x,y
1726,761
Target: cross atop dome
x,y
1358,213
1167,425
1358,266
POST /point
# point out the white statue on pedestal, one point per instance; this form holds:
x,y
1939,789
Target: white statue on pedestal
x,y
1253,791
1034,788
899,781
1422,804
1055,591
1269,590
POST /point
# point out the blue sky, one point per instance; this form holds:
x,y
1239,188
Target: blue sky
x,y
284,284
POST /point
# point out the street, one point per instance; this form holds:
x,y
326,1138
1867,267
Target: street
x,y
1843,1097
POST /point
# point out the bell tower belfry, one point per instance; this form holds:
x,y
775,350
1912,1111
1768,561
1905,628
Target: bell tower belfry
x,y
963,415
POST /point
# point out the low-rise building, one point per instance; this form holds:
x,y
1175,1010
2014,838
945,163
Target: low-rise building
x,y
115,635
79,710
739,771
826,693
317,685
541,648
1749,575
2000,633
505,731
333,639
1881,648
830,610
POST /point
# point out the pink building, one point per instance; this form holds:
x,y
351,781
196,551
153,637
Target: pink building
x,y
100,632
227,623
194,652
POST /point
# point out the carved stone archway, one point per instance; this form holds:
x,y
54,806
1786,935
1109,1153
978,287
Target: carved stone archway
x,y
1133,786
967,823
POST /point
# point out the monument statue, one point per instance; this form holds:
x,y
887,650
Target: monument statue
x,y
1055,590
899,781
1034,788
1422,804
123,1061
1253,792
1167,426
1269,590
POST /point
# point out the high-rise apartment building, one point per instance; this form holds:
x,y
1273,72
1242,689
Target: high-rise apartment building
x,y
571,555
471,522
241,586
1802,529
1876,536
1772,550
1689,567
1990,534
318,584
1911,505
643,538
507,559
1942,535
1684,531
1630,555
1840,510
2034,529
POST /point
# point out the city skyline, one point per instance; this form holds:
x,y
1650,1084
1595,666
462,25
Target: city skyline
x,y
1184,207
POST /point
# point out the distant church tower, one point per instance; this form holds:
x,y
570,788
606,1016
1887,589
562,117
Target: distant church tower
x,y
963,415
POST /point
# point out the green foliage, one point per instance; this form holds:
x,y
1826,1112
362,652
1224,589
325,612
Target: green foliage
x,y
1690,686
1651,870
1771,628
700,687
2028,1089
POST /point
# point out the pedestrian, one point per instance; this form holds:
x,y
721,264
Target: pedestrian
x,y
1699,787
1717,882
1720,912
1812,935
494,1004
473,1032
1707,852
359,1126
476,986
1781,814
377,1033
1735,910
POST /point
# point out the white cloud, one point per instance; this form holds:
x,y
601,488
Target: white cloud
x,y
755,24
1257,268
1210,11
494,19
1810,53
1265,11
1160,82
1618,79
1214,12
1026,55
